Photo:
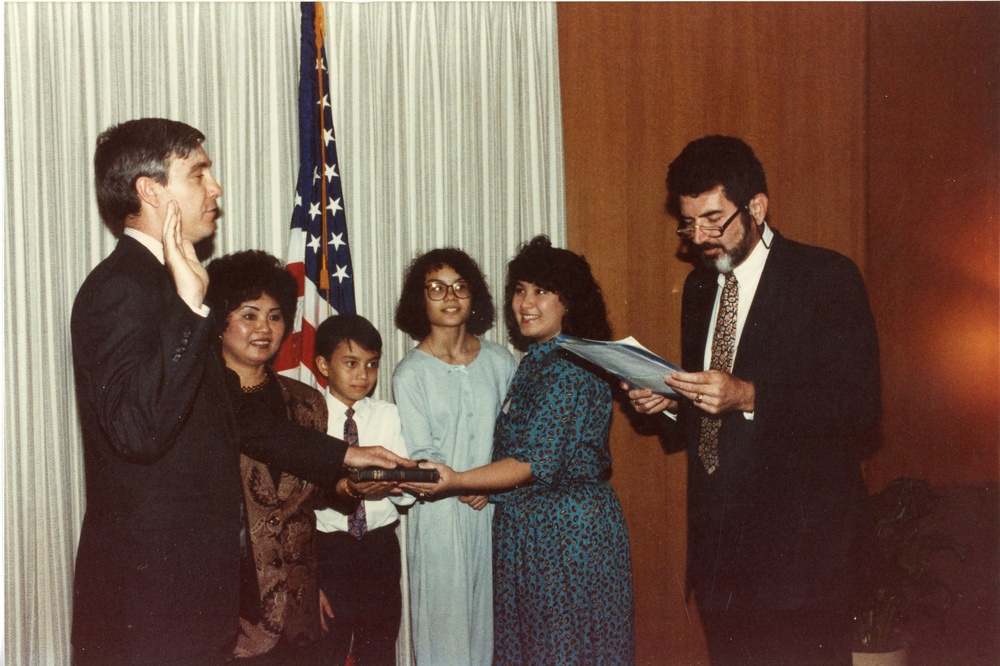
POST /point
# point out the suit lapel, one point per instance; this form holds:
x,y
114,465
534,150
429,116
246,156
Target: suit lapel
x,y
222,382
216,390
145,263
704,289
763,311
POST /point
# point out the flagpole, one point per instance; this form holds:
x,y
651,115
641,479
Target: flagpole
x,y
319,30
318,238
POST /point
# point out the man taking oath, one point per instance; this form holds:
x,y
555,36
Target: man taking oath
x,y
157,570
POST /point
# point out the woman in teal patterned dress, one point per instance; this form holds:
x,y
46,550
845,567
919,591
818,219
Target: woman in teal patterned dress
x,y
561,568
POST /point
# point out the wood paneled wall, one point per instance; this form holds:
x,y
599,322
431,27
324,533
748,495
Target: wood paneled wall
x,y
934,238
641,80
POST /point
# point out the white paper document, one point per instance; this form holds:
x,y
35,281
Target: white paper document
x,y
626,359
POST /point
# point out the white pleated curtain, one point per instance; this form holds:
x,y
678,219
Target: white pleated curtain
x,y
448,126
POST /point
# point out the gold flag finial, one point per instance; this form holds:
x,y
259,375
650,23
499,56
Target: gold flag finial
x,y
319,25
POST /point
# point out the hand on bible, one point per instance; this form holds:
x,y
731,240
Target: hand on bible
x,y
374,456
429,491
376,490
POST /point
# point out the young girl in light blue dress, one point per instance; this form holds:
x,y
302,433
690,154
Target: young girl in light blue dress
x,y
448,390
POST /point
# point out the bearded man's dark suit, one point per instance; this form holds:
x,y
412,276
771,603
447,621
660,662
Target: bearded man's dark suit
x,y
157,570
775,527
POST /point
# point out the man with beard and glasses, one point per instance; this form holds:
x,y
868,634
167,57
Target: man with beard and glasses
x,y
782,385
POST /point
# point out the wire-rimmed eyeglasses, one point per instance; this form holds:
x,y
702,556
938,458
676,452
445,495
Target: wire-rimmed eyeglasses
x,y
438,291
710,232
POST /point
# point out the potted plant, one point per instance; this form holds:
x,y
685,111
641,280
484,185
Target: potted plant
x,y
900,582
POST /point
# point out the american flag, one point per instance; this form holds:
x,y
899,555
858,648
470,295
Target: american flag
x,y
318,254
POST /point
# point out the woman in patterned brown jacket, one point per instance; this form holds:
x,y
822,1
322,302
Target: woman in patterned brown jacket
x,y
253,298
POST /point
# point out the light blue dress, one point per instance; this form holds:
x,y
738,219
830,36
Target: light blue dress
x,y
448,413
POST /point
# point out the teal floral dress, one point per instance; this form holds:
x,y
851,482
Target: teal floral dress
x,y
562,576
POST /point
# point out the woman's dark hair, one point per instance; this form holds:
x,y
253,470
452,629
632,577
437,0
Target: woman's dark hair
x,y
245,276
411,311
566,274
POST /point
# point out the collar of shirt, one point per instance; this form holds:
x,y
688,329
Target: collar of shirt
x,y
748,276
378,423
338,410
748,272
150,243
156,247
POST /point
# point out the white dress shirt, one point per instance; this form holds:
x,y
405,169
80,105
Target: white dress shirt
x,y
748,277
378,425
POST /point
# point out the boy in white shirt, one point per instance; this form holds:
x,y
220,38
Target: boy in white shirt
x,y
359,561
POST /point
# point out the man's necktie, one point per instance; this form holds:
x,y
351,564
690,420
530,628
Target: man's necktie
x,y
357,522
723,347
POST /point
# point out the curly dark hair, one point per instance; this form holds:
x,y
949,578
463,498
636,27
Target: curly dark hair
x,y
411,311
715,160
245,276
566,274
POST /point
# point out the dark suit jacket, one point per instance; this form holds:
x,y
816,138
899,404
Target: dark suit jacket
x,y
776,526
157,571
